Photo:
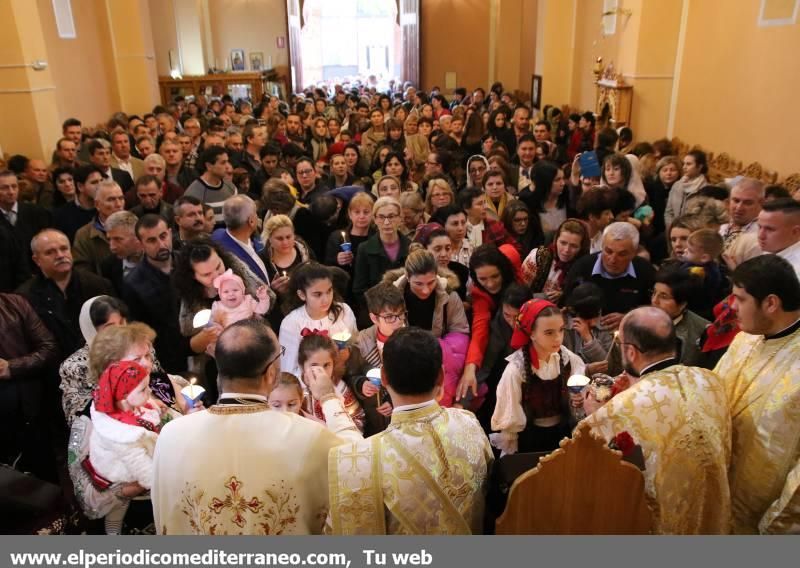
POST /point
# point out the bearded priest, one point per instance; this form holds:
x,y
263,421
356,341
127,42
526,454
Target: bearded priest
x,y
679,416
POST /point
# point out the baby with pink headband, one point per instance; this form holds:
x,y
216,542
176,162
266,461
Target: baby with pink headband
x,y
234,303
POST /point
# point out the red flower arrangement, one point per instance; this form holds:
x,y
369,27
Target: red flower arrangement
x,y
623,442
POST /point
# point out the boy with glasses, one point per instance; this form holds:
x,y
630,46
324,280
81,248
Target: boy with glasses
x,y
387,311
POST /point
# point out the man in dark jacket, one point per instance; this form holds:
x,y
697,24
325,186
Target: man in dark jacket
x,y
151,297
14,268
626,279
58,293
27,352
24,219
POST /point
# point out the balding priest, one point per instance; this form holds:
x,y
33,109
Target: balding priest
x,y
679,416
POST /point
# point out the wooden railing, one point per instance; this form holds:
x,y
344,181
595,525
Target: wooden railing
x,y
722,165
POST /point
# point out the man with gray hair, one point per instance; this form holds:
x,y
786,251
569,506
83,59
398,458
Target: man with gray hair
x,y
626,279
155,165
57,292
90,247
241,223
744,205
126,249
679,416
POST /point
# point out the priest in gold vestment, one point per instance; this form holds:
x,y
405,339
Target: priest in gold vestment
x,y
679,416
427,472
240,467
761,372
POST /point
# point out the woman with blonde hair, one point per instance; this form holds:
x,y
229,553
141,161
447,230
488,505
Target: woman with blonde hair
x,y
111,340
283,252
440,194
385,250
342,246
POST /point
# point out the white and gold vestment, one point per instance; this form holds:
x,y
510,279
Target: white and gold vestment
x,y
425,474
679,416
762,379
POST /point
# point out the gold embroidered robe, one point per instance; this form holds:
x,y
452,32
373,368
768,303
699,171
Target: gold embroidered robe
x,y
762,379
425,474
679,417
246,470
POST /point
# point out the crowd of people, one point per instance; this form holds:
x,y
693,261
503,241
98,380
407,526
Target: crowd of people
x,y
340,312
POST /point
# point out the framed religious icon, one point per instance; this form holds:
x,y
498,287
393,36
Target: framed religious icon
x,y
536,91
256,61
237,59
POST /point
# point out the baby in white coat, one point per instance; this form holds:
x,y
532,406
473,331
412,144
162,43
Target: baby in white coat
x,y
126,422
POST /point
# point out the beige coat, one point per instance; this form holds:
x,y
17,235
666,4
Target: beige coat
x,y
137,166
446,299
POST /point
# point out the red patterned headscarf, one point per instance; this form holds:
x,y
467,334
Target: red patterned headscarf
x,y
116,383
524,326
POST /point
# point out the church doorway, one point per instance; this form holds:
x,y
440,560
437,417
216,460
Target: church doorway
x,y
342,41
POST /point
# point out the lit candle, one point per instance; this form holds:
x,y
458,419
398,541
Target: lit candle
x,y
341,338
192,392
283,273
613,343
344,237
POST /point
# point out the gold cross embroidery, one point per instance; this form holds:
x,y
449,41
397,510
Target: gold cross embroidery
x,y
354,456
656,405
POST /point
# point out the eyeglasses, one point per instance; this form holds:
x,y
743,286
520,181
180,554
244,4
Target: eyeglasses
x,y
660,296
392,318
278,356
305,172
384,218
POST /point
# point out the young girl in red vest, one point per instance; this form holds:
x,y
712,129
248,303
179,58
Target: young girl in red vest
x,y
533,403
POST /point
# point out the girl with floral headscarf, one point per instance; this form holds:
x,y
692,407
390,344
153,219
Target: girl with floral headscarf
x,y
126,421
533,404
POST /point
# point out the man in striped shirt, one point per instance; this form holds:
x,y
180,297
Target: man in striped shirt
x,y
213,187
